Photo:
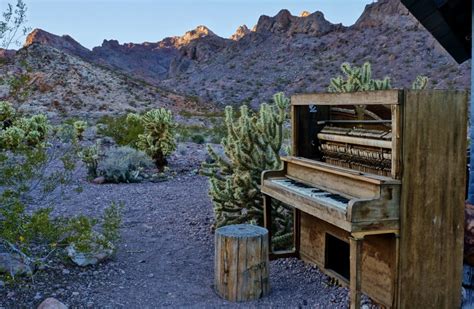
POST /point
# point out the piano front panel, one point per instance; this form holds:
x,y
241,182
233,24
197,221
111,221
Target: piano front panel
x,y
333,181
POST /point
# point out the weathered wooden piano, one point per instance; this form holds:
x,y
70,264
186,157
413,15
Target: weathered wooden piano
x,y
377,184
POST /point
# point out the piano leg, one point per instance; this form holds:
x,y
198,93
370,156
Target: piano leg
x,y
355,270
296,230
267,219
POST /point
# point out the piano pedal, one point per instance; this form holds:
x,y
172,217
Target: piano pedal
x,y
332,282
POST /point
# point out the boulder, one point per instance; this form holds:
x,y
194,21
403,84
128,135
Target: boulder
x,y
100,249
99,180
14,265
52,303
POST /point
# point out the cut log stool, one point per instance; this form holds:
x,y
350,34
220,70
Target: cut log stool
x,y
241,262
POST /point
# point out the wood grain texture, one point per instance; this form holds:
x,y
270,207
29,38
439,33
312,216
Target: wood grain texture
x,y
432,200
356,271
386,97
241,262
378,257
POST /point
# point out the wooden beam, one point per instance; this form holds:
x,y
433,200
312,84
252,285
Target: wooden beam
x,y
386,97
355,271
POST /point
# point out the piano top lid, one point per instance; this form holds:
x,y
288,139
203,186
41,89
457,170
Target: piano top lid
x,y
325,167
379,97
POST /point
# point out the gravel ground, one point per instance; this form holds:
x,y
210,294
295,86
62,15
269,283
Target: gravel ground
x,y
166,257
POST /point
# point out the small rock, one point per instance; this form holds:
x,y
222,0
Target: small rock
x,y
52,303
66,272
75,293
98,251
99,180
38,296
151,275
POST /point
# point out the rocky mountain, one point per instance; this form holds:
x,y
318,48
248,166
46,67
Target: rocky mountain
x,y
60,84
281,53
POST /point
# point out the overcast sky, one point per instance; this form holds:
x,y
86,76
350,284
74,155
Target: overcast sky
x,y
91,21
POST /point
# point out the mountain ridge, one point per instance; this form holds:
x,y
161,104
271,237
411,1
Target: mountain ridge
x,y
281,53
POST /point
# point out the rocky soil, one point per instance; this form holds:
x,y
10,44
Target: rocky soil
x,y
166,257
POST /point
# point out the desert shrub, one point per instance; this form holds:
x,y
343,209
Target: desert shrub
x,y
124,164
252,144
198,139
213,134
123,130
158,139
37,161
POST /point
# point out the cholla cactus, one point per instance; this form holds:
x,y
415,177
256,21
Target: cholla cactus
x,y
7,113
158,139
24,132
420,82
90,157
357,79
79,128
360,79
252,145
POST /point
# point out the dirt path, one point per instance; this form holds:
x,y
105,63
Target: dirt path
x,y
166,258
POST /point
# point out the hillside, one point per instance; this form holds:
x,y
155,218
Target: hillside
x,y
60,84
281,53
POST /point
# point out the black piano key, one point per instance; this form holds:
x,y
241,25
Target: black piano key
x,y
338,198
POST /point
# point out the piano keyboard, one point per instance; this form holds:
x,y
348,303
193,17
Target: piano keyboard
x,y
318,194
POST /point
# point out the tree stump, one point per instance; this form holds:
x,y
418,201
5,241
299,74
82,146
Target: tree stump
x,y
241,262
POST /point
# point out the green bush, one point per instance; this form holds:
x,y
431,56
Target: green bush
x,y
124,164
198,139
30,150
123,130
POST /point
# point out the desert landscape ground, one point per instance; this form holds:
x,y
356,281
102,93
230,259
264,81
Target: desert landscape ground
x,y
165,255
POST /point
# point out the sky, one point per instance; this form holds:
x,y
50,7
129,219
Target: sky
x,y
92,21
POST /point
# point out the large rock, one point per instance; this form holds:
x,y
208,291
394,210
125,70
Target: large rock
x,y
14,265
100,249
52,303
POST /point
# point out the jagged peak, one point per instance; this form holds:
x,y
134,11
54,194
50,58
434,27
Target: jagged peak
x,y
64,42
240,33
305,14
285,23
284,13
110,43
384,12
200,31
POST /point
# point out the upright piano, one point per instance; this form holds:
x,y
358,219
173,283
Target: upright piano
x,y
377,184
